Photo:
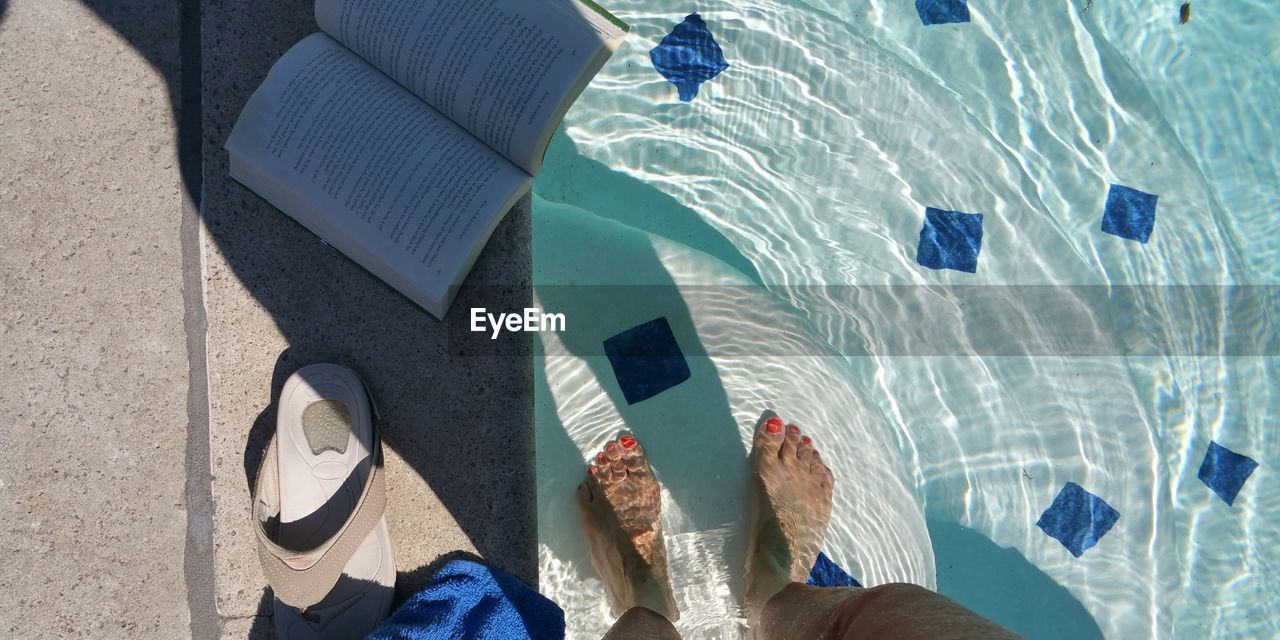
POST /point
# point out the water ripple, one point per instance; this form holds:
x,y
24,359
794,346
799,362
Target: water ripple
x,y
815,155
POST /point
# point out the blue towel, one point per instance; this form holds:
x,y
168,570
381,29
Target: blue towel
x,y
469,601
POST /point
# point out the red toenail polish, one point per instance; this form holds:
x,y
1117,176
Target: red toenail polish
x,y
793,429
774,425
815,453
628,442
806,440
611,447
602,458
591,470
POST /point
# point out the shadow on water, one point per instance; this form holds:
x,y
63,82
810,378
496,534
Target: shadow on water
x,y
578,180
688,430
556,453
567,248
1004,586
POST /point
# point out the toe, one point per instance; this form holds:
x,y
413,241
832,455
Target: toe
x,y
609,463
613,451
790,443
633,458
611,474
769,436
590,489
601,464
817,467
814,462
805,449
618,469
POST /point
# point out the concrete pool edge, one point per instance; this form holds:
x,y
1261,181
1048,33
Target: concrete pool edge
x,y
277,299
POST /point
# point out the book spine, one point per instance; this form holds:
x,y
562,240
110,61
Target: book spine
x,y
606,15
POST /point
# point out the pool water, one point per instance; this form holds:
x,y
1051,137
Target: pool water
x,y
775,221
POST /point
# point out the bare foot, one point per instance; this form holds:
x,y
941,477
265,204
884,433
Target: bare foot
x,y
621,508
790,510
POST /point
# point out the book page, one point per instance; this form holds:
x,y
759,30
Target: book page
x,y
372,169
506,70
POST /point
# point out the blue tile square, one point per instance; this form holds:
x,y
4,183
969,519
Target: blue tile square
x,y
688,56
942,11
950,240
1225,471
646,360
826,573
1078,519
1129,213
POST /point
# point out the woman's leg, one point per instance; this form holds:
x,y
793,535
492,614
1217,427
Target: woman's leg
x,y
791,507
621,503
900,611
641,623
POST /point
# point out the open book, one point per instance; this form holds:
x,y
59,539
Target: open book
x,y
404,131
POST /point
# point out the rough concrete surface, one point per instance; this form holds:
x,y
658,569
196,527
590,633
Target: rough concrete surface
x,y
458,430
124,479
93,368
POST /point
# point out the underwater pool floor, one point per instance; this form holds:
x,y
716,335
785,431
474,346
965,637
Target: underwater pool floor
x,y
1079,446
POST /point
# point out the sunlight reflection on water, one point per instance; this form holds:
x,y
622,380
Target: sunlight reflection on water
x,y
814,156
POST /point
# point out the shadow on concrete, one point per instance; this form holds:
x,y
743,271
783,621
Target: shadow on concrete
x,y
408,584
411,582
177,60
263,624
263,627
1002,585
449,415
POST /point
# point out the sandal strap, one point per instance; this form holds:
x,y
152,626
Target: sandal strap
x,y
301,579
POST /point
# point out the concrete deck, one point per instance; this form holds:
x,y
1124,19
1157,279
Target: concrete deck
x,y
150,309
93,357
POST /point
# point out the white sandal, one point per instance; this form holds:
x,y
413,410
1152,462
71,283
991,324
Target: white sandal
x,y
319,509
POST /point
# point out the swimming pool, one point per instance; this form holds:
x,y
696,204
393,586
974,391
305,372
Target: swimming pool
x,y
776,222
